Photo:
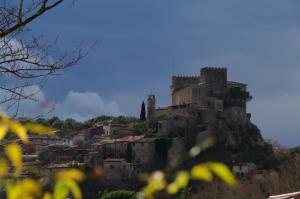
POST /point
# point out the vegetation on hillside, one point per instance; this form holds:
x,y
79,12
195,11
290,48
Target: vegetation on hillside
x,y
68,126
296,150
237,92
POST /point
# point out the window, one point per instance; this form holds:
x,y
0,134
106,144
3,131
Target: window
x,y
111,166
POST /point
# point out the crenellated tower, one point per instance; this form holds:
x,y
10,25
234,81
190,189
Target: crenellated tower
x,y
214,81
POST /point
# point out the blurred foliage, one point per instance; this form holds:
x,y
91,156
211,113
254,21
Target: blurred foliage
x,y
184,194
12,182
120,194
157,181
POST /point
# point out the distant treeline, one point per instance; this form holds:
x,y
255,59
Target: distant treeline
x,y
69,125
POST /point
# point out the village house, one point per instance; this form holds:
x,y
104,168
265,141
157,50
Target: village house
x,y
48,171
117,169
56,154
243,169
39,141
144,151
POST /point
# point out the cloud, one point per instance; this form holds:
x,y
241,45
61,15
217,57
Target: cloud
x,y
80,106
85,105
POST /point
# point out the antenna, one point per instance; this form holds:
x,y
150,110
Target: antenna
x,y
173,68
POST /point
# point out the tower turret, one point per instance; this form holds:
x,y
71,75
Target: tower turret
x,y
215,80
150,107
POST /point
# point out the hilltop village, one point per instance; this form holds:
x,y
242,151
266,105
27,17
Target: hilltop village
x,y
203,106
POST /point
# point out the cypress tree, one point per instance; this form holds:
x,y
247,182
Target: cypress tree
x,y
143,112
129,155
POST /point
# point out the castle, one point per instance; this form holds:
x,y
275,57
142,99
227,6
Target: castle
x,y
200,100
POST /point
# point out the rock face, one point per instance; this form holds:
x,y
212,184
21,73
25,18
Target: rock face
x,y
234,135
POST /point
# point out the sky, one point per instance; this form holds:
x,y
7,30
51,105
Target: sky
x,y
139,42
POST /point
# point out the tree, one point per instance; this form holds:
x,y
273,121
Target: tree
x,y
129,152
143,112
120,194
24,58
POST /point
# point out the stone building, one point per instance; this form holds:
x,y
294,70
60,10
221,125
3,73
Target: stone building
x,y
243,169
200,100
142,149
117,169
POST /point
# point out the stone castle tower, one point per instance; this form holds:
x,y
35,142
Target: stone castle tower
x,y
214,80
151,107
211,82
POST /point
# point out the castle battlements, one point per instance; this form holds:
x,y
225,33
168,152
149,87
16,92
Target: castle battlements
x,y
214,69
186,76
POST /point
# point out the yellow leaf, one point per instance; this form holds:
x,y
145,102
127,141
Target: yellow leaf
x,y
196,150
64,187
74,188
222,171
182,179
172,188
3,131
47,195
31,188
70,174
39,129
156,182
13,190
3,168
14,153
201,172
18,128
61,190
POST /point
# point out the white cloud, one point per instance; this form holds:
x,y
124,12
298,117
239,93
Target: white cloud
x,y
85,105
80,106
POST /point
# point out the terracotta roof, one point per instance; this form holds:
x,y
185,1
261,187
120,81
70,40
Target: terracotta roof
x,y
130,138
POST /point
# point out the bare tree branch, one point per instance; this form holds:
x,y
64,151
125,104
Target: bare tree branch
x,y
26,61
8,15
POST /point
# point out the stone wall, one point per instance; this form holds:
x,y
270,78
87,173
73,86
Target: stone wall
x,y
215,80
144,152
182,96
182,82
176,152
116,170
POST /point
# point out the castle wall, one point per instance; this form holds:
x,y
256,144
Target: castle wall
x,y
182,82
215,80
236,114
182,96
